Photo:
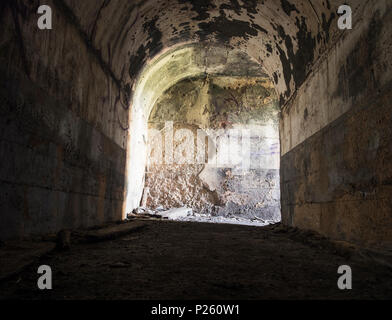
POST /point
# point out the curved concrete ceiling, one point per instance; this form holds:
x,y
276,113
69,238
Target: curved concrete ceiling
x,y
189,61
286,37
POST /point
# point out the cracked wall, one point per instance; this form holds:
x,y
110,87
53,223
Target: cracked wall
x,y
336,138
67,96
62,145
224,108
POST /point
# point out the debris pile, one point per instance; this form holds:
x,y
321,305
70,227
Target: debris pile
x,y
188,214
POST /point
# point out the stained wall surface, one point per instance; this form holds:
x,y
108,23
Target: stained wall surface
x,y
241,118
62,142
67,93
336,138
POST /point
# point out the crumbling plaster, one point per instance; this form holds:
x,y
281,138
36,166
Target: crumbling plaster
x,y
83,77
284,36
226,108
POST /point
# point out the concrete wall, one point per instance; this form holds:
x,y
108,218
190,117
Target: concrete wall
x,y
65,93
241,118
336,135
62,147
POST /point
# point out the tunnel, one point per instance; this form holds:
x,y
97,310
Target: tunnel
x,y
87,103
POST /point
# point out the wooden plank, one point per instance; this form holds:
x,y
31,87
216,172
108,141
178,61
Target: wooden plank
x,y
112,232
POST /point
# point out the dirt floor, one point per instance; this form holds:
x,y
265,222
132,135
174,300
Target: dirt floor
x,y
171,260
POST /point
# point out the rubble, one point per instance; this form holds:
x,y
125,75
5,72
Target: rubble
x,y
188,214
178,213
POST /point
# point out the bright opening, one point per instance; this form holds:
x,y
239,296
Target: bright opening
x,y
207,123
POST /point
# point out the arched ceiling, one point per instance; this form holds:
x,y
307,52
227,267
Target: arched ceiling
x,y
189,61
285,36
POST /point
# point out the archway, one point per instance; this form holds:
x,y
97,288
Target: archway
x,y
236,101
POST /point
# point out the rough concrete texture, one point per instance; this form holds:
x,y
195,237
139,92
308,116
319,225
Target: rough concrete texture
x,y
61,141
67,95
337,140
223,107
285,36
